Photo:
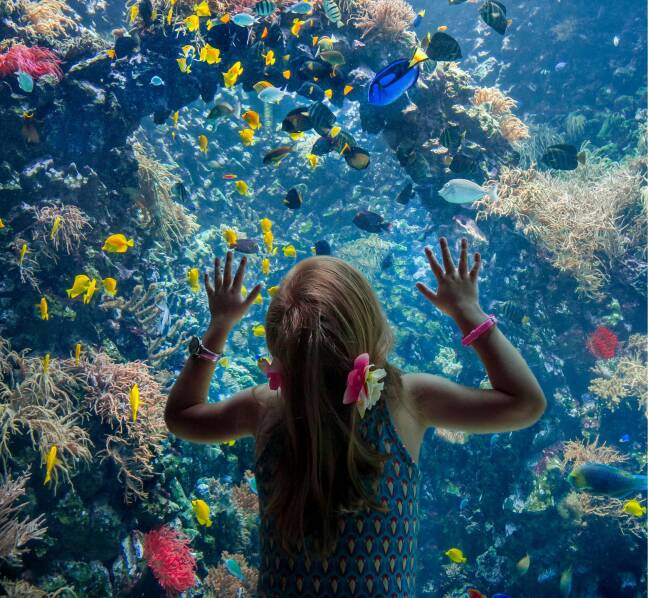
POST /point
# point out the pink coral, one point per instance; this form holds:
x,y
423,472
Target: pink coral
x,y
36,61
167,554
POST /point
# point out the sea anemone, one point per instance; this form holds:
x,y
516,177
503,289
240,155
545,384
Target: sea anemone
x,y
603,343
167,554
35,61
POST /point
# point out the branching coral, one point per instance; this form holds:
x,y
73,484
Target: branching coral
x,y
35,61
70,231
590,221
575,453
245,501
494,99
130,445
23,589
14,532
154,197
386,19
513,129
625,376
220,583
48,17
145,308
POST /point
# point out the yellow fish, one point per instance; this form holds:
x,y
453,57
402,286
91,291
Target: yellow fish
x,y
455,555
169,16
2,224
442,28
134,11
134,400
55,227
247,136
261,85
174,118
110,286
230,237
312,160
43,309
111,54
241,187
328,93
203,143
201,511
634,507
522,565
289,251
268,239
192,278
192,22
265,266
286,74
90,291
269,58
210,24
296,27
224,362
325,42
334,131
266,224
46,363
258,299
232,74
258,330
272,291
79,286
225,19
315,38
202,9
117,243
252,118
49,464
209,54
77,353
296,135
419,56
264,34
347,89
23,251
182,64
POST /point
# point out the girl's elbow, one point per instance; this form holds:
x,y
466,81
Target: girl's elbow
x,y
535,408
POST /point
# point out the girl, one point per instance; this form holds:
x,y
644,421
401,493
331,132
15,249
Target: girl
x,y
339,428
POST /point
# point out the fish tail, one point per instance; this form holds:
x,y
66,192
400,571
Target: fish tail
x,y
492,192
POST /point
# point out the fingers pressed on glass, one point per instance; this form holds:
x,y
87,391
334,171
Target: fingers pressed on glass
x,y
208,286
463,258
436,267
477,264
227,276
218,281
447,258
427,292
240,273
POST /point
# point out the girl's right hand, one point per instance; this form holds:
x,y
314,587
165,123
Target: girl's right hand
x,y
457,293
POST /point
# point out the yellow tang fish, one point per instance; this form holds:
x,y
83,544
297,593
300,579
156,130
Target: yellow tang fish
x,y
203,143
46,363
79,286
201,511
286,74
455,555
265,266
202,9
258,299
266,224
55,227
347,89
241,187
117,243
49,464
134,11
111,53
174,118
2,224
272,291
134,400
90,291
268,238
258,330
192,22
23,251
269,58
289,251
209,54
169,16
328,93
182,64
247,136
77,353
296,27
192,278
230,237
635,508
312,160
252,118
43,309
110,286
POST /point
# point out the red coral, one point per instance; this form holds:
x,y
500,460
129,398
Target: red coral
x,y
603,343
34,61
167,554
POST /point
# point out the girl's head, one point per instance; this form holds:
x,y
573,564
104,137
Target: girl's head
x,y
324,315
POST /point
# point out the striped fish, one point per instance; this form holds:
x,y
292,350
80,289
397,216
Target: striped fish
x,y
321,117
332,12
267,116
264,8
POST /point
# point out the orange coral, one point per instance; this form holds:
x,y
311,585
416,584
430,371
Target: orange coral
x,y
244,499
48,18
220,583
499,103
513,129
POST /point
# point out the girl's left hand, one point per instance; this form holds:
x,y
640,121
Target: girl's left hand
x,y
226,304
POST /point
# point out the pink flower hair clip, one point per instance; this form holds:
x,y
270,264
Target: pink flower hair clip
x,y
363,384
272,371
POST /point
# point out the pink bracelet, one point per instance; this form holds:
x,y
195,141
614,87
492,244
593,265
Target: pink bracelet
x,y
473,335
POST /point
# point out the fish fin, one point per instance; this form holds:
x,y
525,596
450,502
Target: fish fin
x,y
340,23
492,192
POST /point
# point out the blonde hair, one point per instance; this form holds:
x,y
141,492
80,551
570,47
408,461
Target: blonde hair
x,y
324,315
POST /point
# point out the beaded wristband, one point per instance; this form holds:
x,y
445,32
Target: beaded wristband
x,y
473,335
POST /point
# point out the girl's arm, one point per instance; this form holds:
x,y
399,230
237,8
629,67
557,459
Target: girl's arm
x,y
516,400
187,413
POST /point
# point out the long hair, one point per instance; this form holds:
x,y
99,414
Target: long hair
x,y
324,315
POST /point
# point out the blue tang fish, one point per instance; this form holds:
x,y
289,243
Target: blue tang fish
x,y
395,79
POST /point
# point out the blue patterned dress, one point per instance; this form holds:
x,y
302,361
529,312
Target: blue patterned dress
x,y
376,552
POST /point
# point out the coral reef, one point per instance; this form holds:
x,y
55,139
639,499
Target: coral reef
x,y
383,19
48,18
70,232
581,220
493,99
624,377
15,533
220,583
